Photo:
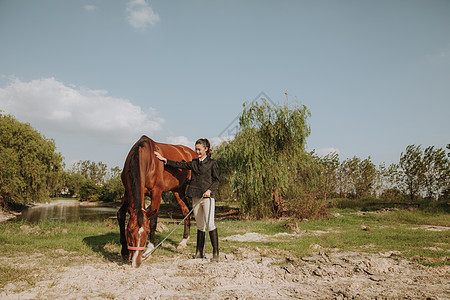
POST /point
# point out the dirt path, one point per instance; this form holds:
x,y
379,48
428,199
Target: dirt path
x,y
246,274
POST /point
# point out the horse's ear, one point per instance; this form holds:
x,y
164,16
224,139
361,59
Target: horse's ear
x,y
150,213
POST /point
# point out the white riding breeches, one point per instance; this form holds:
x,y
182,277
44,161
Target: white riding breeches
x,y
204,213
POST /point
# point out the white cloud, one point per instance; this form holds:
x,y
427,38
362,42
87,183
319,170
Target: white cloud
x,y
48,104
216,141
140,14
324,151
90,8
180,140
440,58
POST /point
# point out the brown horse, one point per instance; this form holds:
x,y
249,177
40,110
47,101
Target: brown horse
x,y
145,175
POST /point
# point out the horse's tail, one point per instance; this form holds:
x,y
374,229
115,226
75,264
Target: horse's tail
x,y
136,184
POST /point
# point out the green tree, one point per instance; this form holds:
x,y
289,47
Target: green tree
x,y
113,188
424,173
73,182
263,161
437,171
329,174
89,191
357,177
80,184
30,167
91,170
412,167
366,178
349,176
387,182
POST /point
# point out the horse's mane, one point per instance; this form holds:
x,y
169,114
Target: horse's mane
x,y
135,180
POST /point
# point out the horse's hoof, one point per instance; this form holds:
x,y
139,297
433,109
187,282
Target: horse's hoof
x,y
150,249
183,243
146,257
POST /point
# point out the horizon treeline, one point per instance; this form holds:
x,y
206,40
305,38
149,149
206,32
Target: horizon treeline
x,y
265,168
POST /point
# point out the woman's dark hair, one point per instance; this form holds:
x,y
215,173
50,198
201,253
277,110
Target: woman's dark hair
x,y
205,144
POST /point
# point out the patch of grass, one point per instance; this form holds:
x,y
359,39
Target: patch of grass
x,y
417,217
10,273
108,295
392,231
264,227
45,237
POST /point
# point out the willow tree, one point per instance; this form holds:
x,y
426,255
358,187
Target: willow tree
x,y
30,168
264,160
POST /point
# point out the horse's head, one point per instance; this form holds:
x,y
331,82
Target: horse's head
x,y
137,237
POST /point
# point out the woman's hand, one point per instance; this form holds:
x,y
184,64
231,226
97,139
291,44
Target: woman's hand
x,y
207,194
160,157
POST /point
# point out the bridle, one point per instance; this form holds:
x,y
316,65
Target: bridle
x,y
138,248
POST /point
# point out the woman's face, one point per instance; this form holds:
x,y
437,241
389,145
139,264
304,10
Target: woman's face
x,y
201,151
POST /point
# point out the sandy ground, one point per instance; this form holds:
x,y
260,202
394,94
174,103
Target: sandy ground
x,y
245,274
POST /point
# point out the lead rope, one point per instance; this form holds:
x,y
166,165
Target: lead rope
x,y
157,246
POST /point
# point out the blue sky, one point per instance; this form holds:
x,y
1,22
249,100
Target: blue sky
x,y
95,75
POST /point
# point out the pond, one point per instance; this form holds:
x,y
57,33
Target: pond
x,y
67,211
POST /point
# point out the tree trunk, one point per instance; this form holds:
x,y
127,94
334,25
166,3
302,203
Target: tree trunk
x,y
277,203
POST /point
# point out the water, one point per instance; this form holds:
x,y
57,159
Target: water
x,y
67,211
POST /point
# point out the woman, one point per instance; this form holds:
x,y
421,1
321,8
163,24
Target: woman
x,y
204,182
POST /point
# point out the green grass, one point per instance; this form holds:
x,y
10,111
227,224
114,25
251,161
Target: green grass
x,y
417,217
373,204
9,273
400,230
46,236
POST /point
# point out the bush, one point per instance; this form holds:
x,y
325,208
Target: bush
x,y
89,191
310,206
393,194
73,183
112,190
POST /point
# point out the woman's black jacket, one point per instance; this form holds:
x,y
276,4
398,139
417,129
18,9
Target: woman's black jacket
x,y
205,175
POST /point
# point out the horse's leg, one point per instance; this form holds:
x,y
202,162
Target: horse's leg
x,y
154,208
187,222
121,217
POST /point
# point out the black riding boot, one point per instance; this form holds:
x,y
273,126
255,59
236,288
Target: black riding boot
x,y
215,244
200,244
